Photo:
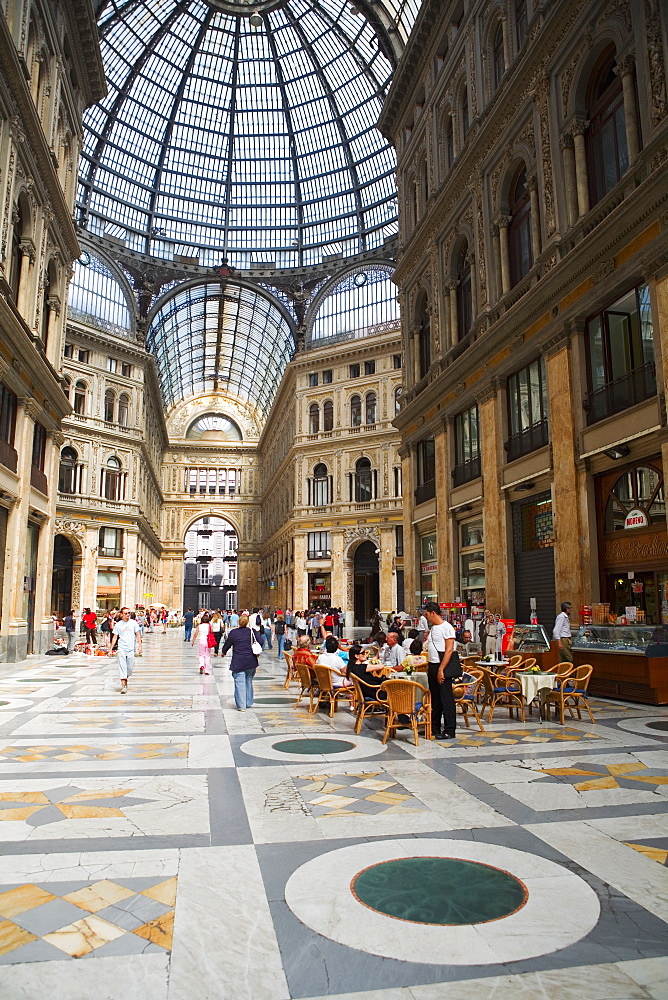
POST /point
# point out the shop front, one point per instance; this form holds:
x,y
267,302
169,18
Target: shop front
x,y
633,544
320,590
472,563
428,569
533,546
108,590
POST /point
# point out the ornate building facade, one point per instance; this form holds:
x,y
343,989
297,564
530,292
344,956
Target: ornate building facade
x,y
532,144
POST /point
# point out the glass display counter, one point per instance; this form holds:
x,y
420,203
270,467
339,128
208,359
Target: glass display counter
x,y
530,639
629,661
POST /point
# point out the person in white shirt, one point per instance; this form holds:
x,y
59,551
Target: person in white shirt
x,y
423,627
441,654
301,625
126,633
329,657
408,641
562,632
392,654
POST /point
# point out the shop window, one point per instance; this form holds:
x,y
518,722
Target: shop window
x,y
111,542
370,407
636,500
464,293
467,447
313,418
355,411
426,471
472,559
527,410
519,228
607,153
620,356
428,568
319,545
498,60
328,416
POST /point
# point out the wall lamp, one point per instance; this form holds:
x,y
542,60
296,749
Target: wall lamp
x,y
619,451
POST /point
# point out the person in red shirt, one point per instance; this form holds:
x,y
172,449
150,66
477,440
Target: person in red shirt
x,y
89,619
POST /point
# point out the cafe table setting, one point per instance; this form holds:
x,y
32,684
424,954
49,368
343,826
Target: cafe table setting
x,y
536,684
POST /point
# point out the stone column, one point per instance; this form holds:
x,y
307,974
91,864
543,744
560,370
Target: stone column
x,y
448,339
581,177
625,68
568,153
53,305
572,542
300,575
129,575
411,580
454,318
248,577
535,217
444,580
338,571
496,248
89,566
495,515
387,578
503,222
27,252
661,340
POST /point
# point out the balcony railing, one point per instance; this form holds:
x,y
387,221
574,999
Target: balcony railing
x,y
526,441
8,456
634,387
466,471
427,491
38,479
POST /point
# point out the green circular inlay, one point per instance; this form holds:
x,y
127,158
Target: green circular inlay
x,y
662,725
439,891
4,703
273,701
37,680
311,746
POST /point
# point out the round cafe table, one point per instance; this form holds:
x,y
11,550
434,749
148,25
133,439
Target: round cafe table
x,y
494,665
536,686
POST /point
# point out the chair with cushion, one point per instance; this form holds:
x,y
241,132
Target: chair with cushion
x,y
366,701
502,689
402,699
326,692
291,672
465,696
308,684
572,691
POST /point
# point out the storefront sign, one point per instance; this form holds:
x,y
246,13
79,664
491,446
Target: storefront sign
x,y
636,519
429,567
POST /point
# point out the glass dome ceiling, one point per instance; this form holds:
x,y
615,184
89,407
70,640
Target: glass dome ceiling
x,y
247,137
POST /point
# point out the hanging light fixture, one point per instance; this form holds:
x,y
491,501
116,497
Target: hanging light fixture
x,y
255,20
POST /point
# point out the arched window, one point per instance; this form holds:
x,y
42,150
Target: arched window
x,y
464,108
521,23
80,394
111,487
637,489
449,141
322,486
414,203
17,256
424,337
123,409
355,411
424,184
328,415
68,473
371,407
464,294
109,404
363,481
397,398
49,289
67,385
607,152
313,418
519,229
498,59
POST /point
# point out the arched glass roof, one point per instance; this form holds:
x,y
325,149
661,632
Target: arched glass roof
x,y
205,339
219,138
95,297
214,427
362,303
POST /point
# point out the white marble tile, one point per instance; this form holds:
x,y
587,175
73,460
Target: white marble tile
x,y
210,751
632,828
241,722
93,865
131,977
629,871
597,982
72,725
225,947
276,811
650,973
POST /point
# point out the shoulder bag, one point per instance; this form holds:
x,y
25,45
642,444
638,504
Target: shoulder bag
x,y
210,639
454,667
255,645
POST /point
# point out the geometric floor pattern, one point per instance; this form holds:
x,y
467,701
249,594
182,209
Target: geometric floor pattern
x,y
168,847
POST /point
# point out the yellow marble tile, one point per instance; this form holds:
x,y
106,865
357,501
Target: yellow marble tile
x,y
99,793
95,897
7,815
590,786
12,937
653,853
23,797
158,931
625,768
87,812
84,936
567,770
164,892
648,780
25,897
333,801
387,798
378,786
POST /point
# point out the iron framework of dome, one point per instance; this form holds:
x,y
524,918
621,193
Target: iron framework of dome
x,y
247,137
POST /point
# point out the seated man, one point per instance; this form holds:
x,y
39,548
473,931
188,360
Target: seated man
x,y
467,647
392,652
302,653
329,657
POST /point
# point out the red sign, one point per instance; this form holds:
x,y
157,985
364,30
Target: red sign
x,y
636,519
451,604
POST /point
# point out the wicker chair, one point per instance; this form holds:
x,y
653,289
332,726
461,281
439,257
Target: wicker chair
x,y
291,673
401,700
308,684
502,689
366,701
572,691
515,661
326,690
465,696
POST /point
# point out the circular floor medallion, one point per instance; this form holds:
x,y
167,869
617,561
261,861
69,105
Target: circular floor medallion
x,y
311,745
446,891
660,724
649,725
276,700
547,908
38,680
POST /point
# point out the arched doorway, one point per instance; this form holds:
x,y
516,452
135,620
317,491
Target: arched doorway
x,y
366,582
61,578
211,563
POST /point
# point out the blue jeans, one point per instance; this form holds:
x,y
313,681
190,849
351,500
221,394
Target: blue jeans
x,y
267,635
189,632
280,639
243,687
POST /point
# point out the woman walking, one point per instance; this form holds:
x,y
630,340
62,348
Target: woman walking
x,y
217,629
244,661
201,636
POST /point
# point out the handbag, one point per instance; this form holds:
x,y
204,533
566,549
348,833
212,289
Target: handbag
x,y
210,639
287,644
255,645
454,667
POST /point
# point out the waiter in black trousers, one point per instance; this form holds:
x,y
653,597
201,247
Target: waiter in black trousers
x,y
443,667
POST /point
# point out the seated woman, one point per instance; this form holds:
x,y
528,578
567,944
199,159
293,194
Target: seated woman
x,y
417,658
359,665
378,639
413,634
302,653
330,658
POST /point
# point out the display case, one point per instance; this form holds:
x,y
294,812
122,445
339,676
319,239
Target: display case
x,y
629,661
532,641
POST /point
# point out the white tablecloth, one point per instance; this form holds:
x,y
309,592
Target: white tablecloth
x,y
533,684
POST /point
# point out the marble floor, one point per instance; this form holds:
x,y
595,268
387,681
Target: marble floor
x,y
163,846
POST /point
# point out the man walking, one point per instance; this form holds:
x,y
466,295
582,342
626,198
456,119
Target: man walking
x,y
126,634
189,618
562,632
440,649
